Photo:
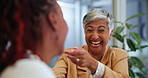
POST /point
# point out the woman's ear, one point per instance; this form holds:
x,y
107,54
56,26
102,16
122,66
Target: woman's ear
x,y
110,34
52,19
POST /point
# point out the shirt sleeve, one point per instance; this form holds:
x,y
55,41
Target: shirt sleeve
x,y
100,71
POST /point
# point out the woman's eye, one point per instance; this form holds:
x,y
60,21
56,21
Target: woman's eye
x,y
89,30
100,30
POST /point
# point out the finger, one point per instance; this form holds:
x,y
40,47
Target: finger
x,y
69,53
77,61
72,58
77,48
67,50
76,52
79,52
72,52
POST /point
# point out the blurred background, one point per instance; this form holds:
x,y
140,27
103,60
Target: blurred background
x,y
74,10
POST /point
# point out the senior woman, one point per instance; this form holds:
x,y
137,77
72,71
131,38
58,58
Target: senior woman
x,y
96,59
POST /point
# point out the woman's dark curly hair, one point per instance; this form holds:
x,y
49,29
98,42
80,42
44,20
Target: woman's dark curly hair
x,y
20,28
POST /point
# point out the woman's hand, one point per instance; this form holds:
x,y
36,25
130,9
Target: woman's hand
x,y
81,57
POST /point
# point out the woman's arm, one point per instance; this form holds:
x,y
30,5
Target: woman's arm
x,y
119,70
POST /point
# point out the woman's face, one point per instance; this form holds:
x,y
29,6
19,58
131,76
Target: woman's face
x,y
62,30
97,35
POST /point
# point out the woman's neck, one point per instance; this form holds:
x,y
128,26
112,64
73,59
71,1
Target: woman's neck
x,y
97,56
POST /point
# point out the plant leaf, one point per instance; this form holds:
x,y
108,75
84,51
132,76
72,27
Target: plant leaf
x,y
131,73
118,37
134,26
140,75
144,46
141,47
130,63
128,26
137,62
119,29
118,22
125,35
134,16
136,37
131,45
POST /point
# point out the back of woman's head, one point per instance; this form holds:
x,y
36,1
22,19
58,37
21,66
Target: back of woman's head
x,y
20,27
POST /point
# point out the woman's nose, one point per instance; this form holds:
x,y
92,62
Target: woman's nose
x,y
95,35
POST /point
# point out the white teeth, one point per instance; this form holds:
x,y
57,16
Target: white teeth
x,y
95,42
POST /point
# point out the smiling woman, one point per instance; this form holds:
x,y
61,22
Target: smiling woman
x,y
97,36
96,59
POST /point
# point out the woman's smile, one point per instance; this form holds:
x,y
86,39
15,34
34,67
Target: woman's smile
x,y
95,44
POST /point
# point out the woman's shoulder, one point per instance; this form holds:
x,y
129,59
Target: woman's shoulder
x,y
116,54
27,68
118,51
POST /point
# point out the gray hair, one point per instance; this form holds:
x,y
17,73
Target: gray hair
x,y
97,13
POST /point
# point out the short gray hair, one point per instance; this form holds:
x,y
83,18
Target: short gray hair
x,y
97,13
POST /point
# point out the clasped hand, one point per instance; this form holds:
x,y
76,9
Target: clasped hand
x,y
81,57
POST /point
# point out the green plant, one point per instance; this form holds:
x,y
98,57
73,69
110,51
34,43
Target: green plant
x,y
134,44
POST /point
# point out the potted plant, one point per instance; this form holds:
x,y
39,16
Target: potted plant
x,y
134,44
